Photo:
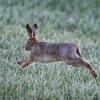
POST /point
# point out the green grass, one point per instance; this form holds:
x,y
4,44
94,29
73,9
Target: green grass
x,y
59,21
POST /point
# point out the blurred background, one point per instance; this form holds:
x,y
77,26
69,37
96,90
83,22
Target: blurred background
x,y
58,21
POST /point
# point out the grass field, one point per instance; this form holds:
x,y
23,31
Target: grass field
x,y
58,21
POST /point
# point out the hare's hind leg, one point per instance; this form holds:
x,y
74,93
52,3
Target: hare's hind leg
x,y
81,61
89,66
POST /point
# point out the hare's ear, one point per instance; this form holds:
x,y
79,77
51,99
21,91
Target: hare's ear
x,y
29,29
34,28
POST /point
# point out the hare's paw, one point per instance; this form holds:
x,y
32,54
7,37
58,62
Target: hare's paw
x,y
94,73
20,62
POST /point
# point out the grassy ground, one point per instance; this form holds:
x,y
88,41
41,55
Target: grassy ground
x,y
59,21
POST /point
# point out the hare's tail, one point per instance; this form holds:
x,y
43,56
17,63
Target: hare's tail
x,y
78,51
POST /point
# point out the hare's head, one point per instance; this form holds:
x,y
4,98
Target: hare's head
x,y
32,36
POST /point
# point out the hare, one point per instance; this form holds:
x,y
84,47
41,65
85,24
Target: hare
x,y
53,52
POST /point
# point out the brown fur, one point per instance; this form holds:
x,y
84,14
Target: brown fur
x,y
52,52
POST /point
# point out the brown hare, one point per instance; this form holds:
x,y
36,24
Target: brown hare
x,y
52,52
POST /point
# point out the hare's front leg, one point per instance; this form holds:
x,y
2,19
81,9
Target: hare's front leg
x,y
20,62
26,63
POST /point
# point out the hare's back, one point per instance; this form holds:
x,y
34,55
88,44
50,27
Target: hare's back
x,y
51,48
